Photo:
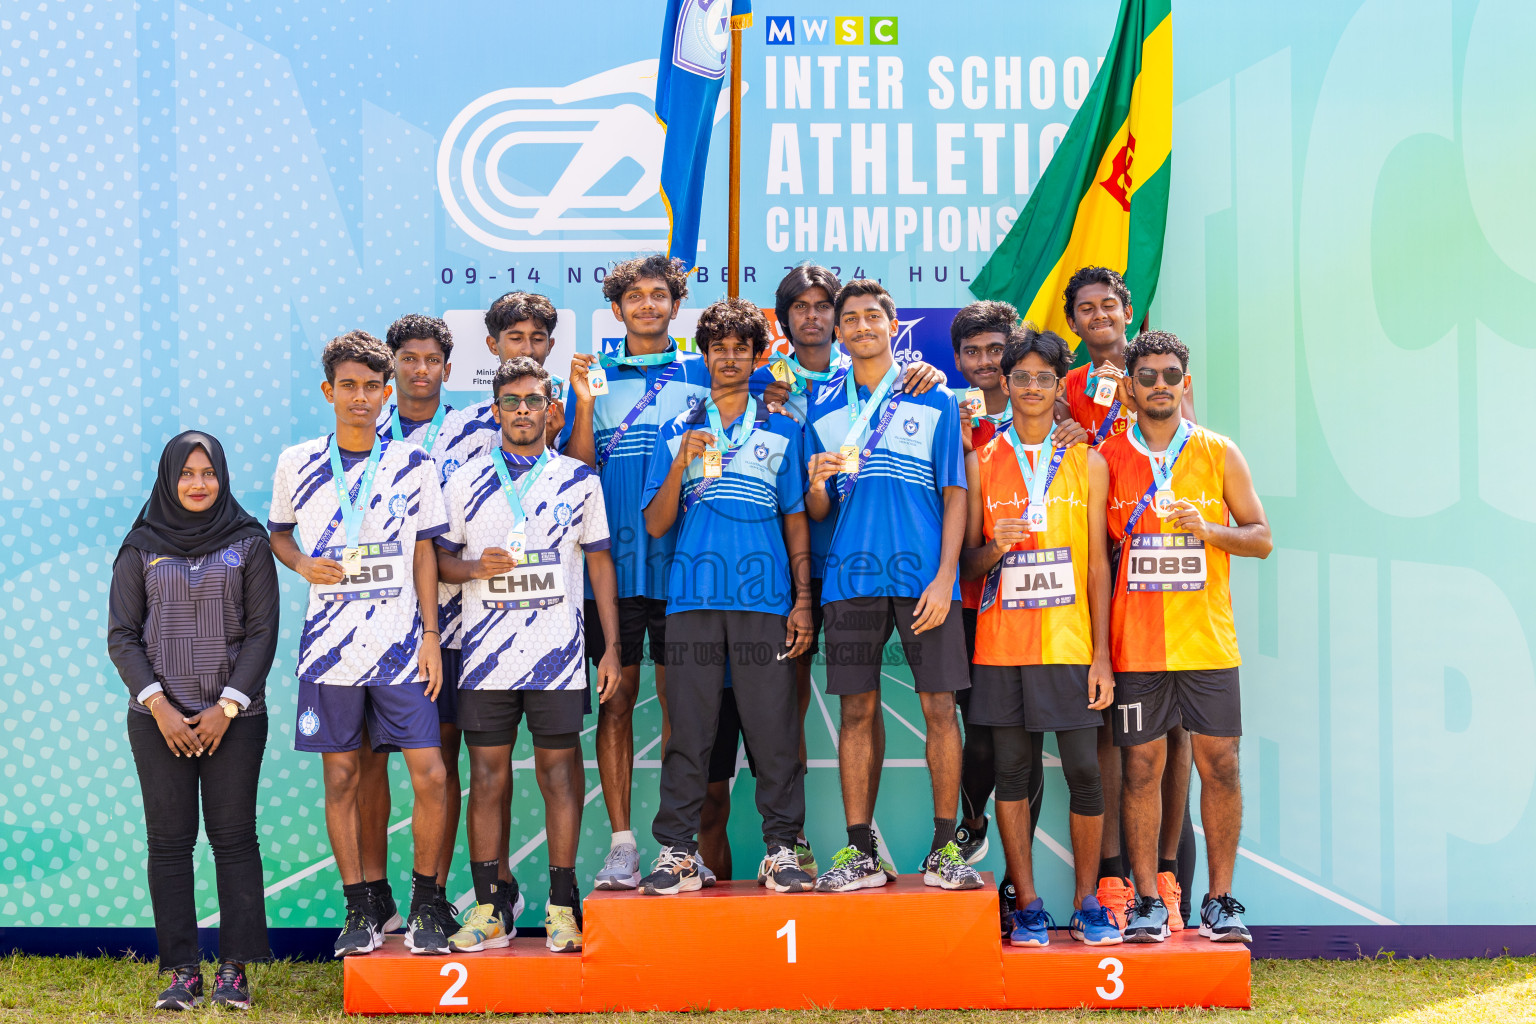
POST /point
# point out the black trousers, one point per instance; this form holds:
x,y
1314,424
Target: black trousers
x,y
226,782
698,644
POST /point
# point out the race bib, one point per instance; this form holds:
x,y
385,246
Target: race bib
x,y
381,573
1038,579
1165,561
537,583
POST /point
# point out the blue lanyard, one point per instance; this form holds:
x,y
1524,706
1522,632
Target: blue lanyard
x,y
859,417
622,358
646,399
799,374
1037,481
515,493
1108,424
1162,465
744,428
398,432
352,512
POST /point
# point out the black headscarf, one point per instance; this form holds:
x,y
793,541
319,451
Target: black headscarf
x,y
166,527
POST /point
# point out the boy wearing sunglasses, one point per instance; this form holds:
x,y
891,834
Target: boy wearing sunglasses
x,y
520,520
1174,487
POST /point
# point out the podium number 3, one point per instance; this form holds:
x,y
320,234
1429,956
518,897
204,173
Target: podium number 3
x,y
1116,987
788,932
461,974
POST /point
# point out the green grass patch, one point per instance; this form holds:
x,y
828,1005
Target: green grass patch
x,y
1389,991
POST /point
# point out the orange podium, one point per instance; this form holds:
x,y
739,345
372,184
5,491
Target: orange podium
x,y
739,946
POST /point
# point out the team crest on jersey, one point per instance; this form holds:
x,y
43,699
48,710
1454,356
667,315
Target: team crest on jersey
x,y
309,722
693,402
450,466
910,426
564,514
398,506
232,558
761,451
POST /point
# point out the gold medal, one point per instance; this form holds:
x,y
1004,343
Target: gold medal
x,y
351,561
712,462
1163,502
781,371
850,458
979,400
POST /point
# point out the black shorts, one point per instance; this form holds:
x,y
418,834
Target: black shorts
x,y
1041,698
858,628
963,698
638,617
490,718
448,696
818,619
1149,704
728,734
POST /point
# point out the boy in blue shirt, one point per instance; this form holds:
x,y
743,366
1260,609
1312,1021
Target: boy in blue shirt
x,y
645,382
729,477
891,465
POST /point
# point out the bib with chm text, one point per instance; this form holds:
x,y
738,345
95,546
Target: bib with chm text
x,y
1041,578
538,582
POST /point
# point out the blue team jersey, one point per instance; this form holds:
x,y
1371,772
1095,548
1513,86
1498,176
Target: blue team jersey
x,y
887,536
640,560
796,403
730,552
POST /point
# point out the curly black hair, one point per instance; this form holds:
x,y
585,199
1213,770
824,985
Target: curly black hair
x,y
357,347
653,265
726,317
1094,275
414,325
1156,343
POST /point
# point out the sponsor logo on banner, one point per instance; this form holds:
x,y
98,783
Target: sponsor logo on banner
x,y
788,30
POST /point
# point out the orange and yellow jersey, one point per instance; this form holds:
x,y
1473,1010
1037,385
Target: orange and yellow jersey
x,y
1089,414
1059,635
1169,626
981,433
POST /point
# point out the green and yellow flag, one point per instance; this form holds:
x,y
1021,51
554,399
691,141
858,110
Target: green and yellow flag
x,y
1103,199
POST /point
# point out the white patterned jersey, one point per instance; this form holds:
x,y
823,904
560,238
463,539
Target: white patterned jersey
x,y
523,630
365,630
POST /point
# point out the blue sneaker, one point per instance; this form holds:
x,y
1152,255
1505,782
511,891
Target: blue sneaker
x,y
1148,920
1094,925
1219,921
1032,926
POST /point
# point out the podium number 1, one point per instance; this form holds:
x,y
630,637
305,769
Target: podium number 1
x,y
451,997
788,932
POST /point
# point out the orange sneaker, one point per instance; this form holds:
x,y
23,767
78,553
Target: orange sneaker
x,y
1116,895
1172,894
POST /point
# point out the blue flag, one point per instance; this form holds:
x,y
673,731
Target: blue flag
x,y
694,42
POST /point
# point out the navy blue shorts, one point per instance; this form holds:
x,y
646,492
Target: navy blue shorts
x,y
448,696
399,717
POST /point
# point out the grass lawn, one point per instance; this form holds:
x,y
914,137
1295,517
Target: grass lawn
x,y
1461,991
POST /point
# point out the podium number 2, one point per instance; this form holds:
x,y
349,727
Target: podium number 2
x,y
1116,987
451,997
788,932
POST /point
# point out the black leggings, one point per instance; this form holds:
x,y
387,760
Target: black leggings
x,y
225,783
1079,748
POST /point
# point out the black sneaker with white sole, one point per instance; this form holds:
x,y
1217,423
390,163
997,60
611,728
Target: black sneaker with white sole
x,y
972,842
1007,903
676,870
781,871
359,932
1219,920
185,990
230,987
384,912
424,932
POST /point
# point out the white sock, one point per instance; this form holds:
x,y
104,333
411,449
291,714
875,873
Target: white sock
x,y
620,838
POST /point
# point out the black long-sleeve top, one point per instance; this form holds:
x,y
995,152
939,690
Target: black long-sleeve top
x,y
196,628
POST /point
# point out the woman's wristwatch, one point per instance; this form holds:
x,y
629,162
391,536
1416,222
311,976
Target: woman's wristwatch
x,y
230,705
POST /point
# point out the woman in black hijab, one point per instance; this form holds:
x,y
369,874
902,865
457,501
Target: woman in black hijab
x,y
192,629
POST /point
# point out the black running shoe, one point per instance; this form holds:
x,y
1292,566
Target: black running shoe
x,y
972,842
230,987
359,933
1007,903
424,932
385,913
185,990
446,913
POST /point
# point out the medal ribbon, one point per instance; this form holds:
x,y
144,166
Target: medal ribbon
x,y
849,480
620,357
745,428
1108,424
398,432
645,400
515,493
355,507
1037,483
859,417
1162,465
799,374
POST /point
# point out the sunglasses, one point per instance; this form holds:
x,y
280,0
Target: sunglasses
x,y
1147,377
535,403
1021,378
